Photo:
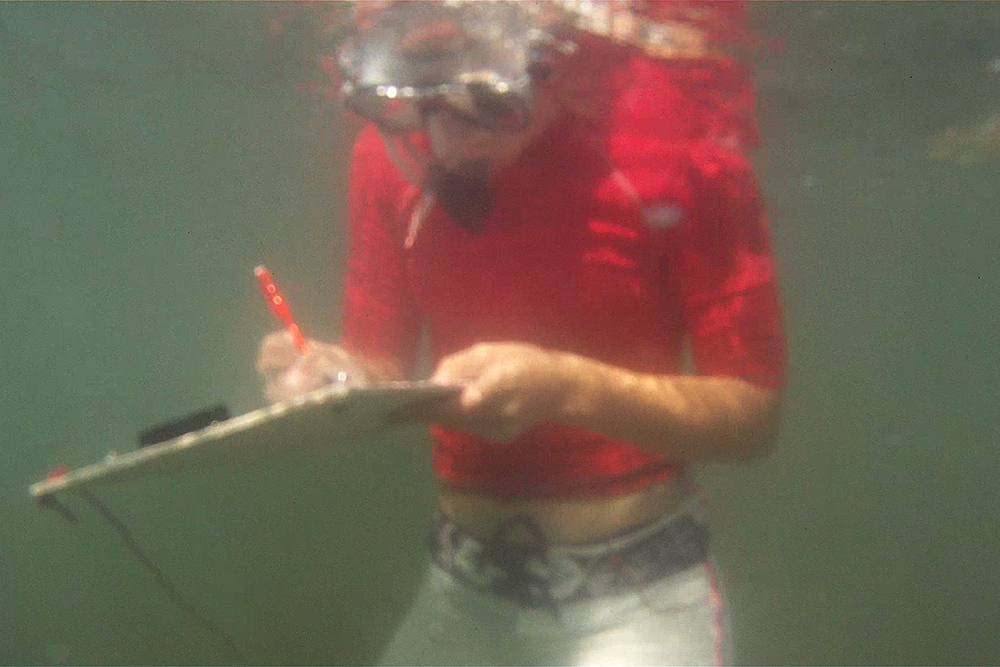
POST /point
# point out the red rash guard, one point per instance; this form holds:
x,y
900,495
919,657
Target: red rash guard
x,y
618,245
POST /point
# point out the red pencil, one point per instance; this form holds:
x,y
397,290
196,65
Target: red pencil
x,y
279,306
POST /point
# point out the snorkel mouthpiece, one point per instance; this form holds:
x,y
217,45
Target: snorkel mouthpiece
x,y
464,194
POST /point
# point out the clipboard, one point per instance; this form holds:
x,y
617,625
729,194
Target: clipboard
x,y
320,419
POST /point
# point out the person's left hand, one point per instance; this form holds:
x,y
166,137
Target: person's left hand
x,y
507,389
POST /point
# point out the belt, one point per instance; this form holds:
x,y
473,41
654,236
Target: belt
x,y
542,575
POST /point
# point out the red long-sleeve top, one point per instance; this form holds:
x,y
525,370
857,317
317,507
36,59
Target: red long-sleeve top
x,y
618,243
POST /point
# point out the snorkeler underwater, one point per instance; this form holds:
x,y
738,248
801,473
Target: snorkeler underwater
x,y
499,332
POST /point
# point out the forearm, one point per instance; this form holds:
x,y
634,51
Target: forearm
x,y
687,418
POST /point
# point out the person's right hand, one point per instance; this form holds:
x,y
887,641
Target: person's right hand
x,y
288,373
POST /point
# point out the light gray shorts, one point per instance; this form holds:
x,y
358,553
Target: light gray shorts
x,y
457,618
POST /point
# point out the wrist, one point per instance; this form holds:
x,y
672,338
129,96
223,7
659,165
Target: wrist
x,y
581,389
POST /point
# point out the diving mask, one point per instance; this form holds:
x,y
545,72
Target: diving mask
x,y
476,59
480,58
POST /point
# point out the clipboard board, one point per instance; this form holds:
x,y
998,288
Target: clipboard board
x,y
319,419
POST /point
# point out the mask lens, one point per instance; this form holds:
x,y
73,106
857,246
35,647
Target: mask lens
x,y
392,115
483,107
496,111
475,104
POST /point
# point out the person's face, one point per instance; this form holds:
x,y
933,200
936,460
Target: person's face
x,y
456,142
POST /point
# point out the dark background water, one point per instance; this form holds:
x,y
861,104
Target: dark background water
x,y
154,153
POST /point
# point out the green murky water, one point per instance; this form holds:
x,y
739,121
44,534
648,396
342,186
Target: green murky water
x,y
154,153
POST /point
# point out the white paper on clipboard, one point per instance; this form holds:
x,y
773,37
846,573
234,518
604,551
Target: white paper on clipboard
x,y
316,420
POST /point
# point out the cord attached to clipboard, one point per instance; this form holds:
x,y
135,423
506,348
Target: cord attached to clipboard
x,y
279,306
